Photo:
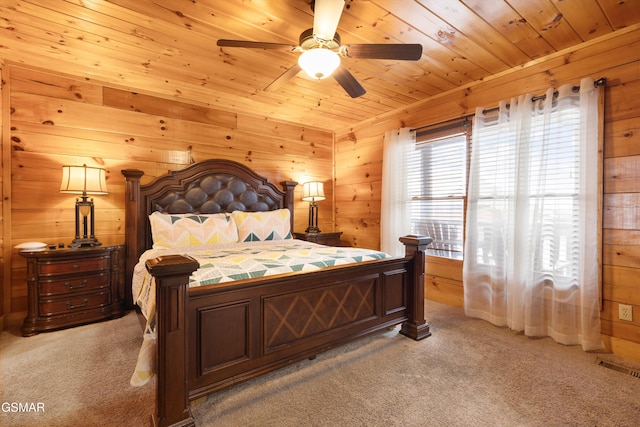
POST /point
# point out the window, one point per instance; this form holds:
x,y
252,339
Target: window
x,y
437,185
541,179
533,242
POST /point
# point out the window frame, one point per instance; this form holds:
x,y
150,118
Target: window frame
x,y
430,135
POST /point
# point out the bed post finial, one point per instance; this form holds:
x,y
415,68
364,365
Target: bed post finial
x,y
416,326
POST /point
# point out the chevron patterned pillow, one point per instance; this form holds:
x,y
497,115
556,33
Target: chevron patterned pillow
x,y
260,226
175,230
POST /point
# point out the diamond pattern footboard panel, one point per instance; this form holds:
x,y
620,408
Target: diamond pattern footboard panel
x,y
253,328
290,317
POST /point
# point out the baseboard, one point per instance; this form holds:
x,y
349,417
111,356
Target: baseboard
x,y
13,320
623,348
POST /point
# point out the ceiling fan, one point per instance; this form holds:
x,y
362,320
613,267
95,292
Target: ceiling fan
x,y
321,50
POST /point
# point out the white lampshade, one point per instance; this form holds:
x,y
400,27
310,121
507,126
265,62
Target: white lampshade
x,y
313,191
83,180
319,62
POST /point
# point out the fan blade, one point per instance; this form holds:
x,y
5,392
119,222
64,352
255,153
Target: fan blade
x,y
255,45
283,78
326,15
410,52
348,82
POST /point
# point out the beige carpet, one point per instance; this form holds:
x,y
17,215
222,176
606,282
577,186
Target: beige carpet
x,y
469,373
81,375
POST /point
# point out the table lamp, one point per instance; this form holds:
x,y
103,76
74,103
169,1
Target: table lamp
x,y
84,180
312,192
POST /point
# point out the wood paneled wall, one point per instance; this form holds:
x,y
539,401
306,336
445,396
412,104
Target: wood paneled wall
x,y
3,193
57,120
358,161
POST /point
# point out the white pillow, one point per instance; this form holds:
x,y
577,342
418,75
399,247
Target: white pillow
x,y
259,226
174,230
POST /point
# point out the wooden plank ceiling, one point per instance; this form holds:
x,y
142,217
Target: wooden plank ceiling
x,y
168,47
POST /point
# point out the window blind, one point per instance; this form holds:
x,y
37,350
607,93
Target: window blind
x,y
548,166
436,180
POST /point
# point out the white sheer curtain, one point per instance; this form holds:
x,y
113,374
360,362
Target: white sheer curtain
x,y
395,218
531,253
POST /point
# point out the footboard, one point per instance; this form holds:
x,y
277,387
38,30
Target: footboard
x,y
215,336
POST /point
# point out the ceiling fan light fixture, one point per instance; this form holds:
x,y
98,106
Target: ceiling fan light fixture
x,y
319,63
321,50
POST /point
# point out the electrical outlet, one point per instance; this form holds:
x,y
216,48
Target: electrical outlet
x,y
625,312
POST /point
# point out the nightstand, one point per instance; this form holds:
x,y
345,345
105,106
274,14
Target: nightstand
x,y
329,239
70,287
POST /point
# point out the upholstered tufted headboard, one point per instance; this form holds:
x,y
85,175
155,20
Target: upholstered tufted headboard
x,y
210,186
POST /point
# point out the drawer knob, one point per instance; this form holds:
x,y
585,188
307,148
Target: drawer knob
x,y
82,285
76,266
71,306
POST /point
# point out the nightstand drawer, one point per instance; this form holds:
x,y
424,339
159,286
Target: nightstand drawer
x,y
73,266
73,304
73,285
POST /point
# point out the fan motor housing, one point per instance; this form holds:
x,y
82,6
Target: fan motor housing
x,y
307,41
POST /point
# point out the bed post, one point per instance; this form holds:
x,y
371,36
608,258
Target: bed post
x,y
172,284
416,326
288,187
131,207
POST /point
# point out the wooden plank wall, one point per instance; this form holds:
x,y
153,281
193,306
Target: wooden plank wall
x,y
58,120
617,58
3,307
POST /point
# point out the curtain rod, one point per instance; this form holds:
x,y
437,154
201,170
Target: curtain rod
x,y
600,82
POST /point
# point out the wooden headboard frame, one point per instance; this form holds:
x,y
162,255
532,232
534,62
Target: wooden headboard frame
x,y
210,186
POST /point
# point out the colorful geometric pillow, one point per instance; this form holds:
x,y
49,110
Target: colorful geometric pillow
x,y
259,226
174,230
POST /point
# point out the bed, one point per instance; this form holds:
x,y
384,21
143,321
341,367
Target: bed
x,y
214,336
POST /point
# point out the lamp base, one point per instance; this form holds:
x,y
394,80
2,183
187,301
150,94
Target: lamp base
x,y
84,212
313,218
85,242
